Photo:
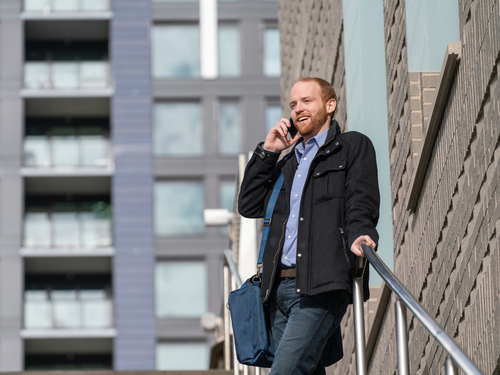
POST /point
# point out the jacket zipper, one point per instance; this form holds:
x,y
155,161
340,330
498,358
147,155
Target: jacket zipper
x,y
344,244
274,260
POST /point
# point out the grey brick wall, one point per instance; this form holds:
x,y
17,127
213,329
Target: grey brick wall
x,y
312,45
447,252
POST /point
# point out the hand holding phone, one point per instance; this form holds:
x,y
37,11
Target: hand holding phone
x,y
276,140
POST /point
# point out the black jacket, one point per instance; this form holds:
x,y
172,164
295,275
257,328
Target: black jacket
x,y
340,202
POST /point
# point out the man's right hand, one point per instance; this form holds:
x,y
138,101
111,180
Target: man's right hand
x,y
276,140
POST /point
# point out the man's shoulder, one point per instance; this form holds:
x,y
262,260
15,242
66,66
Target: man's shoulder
x,y
353,137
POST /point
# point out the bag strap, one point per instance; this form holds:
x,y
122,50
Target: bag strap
x,y
266,225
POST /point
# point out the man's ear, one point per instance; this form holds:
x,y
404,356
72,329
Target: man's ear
x,y
331,105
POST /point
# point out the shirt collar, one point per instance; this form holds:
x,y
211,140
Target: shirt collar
x,y
319,139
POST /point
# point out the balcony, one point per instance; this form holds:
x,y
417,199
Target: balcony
x,y
67,309
92,77
67,229
75,9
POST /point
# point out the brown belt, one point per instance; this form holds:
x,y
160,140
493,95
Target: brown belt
x,y
287,272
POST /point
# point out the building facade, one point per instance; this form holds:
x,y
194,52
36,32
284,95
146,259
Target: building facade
x,y
443,123
120,122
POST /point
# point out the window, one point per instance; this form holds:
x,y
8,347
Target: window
x,y
179,208
175,1
175,51
180,289
66,5
182,356
178,129
430,26
272,62
229,128
273,115
229,51
227,195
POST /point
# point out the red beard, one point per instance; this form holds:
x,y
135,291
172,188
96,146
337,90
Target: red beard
x,y
315,122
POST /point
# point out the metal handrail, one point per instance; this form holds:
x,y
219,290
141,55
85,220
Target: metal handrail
x,y
429,323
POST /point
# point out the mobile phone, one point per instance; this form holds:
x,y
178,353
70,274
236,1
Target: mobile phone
x,y
292,129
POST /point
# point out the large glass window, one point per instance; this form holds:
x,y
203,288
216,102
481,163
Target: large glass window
x,y
178,208
272,61
273,115
178,129
229,128
180,289
182,356
229,51
430,26
175,51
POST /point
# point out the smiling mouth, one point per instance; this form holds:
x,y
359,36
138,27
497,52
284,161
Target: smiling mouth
x,y
302,118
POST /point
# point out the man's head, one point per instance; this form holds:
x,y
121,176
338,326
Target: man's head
x,y
313,102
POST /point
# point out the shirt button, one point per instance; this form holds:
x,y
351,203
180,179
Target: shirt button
x,y
286,257
293,215
298,290
298,175
301,219
289,236
327,151
296,195
305,158
340,166
299,255
317,174
336,143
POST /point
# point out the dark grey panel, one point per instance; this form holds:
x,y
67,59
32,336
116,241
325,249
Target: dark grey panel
x,y
53,107
67,185
85,265
61,30
133,266
55,346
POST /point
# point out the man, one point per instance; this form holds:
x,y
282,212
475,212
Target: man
x,y
328,204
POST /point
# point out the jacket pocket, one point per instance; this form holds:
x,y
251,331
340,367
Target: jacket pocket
x,y
329,181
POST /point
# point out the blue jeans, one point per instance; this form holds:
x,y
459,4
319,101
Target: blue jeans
x,y
301,326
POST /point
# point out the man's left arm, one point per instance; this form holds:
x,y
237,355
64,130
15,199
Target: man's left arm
x,y
362,196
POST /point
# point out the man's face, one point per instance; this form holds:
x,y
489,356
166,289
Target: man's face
x,y
309,111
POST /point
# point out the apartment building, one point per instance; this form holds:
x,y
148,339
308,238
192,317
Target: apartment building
x,y
120,122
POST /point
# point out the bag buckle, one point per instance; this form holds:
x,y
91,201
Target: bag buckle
x,y
266,222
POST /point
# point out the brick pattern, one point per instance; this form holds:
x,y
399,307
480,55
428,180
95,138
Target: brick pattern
x,y
312,44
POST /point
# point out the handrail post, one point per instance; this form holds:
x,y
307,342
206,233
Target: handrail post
x,y
359,325
450,367
227,322
401,338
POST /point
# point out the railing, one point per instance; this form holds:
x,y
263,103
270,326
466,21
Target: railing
x,y
48,6
404,298
67,309
66,75
67,151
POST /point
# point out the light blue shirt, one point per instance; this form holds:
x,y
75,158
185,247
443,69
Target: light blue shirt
x,y
305,155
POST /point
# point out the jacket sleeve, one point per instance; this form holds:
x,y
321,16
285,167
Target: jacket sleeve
x,y
362,192
257,183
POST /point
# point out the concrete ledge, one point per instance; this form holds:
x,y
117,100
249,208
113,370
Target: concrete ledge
x,y
80,372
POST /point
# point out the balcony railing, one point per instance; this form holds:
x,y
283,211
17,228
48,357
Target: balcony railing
x,y
67,309
67,75
66,230
48,6
66,151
